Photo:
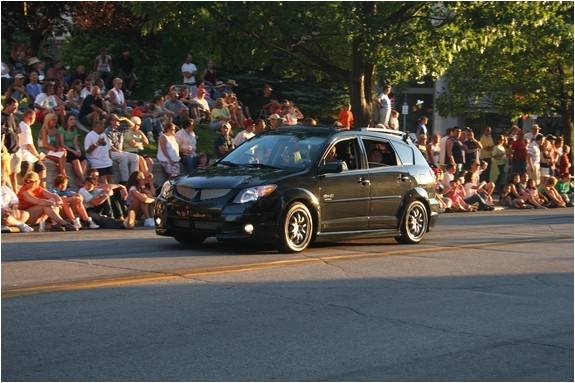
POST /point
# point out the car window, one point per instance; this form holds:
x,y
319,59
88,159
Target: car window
x,y
280,151
346,150
379,153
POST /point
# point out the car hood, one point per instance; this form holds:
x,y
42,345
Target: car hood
x,y
231,178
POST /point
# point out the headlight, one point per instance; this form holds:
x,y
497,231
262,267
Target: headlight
x,y
254,194
167,189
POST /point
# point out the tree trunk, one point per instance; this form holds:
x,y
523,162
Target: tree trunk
x,y
361,87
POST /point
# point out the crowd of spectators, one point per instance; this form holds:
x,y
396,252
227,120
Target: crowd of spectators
x,y
525,170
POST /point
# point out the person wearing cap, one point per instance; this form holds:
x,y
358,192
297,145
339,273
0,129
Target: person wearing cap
x,y
275,121
127,162
17,89
533,133
223,142
134,142
269,105
246,134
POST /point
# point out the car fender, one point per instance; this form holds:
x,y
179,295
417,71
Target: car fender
x,y
417,193
301,195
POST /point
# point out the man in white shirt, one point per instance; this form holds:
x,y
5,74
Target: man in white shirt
x,y
30,155
384,105
245,134
189,71
98,152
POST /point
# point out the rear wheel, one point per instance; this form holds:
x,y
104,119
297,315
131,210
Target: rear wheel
x,y
296,229
415,223
190,239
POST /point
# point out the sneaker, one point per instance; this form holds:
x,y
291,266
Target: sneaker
x,y
70,227
57,227
149,222
76,223
25,228
130,221
92,224
6,229
151,137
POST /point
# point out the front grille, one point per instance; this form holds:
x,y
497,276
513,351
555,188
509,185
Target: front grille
x,y
191,193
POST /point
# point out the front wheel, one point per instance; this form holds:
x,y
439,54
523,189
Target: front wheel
x,y
415,224
296,229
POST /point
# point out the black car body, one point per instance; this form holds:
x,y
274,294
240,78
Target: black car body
x,y
282,187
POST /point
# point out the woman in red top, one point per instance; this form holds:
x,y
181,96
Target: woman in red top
x,y
41,203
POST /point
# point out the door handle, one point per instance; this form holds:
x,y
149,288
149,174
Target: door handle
x,y
403,177
363,181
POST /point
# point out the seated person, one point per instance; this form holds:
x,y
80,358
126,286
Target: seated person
x,y
72,204
331,156
141,197
12,216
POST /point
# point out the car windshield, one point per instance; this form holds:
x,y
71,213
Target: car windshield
x,y
282,151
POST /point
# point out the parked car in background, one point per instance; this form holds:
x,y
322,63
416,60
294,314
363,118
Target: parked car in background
x,y
296,185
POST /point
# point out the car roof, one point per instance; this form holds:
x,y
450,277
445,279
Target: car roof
x,y
326,131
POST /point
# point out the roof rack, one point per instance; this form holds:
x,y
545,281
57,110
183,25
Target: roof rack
x,y
404,135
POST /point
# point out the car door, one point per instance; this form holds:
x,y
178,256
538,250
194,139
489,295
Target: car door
x,y
390,182
344,196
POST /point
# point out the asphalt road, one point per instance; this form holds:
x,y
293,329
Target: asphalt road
x,y
486,296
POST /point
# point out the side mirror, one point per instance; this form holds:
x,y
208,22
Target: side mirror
x,y
331,167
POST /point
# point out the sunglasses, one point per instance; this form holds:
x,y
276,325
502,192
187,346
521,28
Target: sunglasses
x,y
30,182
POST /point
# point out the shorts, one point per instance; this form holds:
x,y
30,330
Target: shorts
x,y
171,170
37,167
72,157
16,162
546,172
106,171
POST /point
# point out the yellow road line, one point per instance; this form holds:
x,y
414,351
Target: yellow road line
x,y
16,292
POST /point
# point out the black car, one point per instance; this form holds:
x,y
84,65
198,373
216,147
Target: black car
x,y
296,185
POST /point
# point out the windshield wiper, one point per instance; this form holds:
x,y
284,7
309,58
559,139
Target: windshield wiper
x,y
229,163
260,166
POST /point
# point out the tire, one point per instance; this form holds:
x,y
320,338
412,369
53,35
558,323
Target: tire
x,y
415,224
190,239
296,229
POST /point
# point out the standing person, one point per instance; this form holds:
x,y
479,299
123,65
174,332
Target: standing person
x,y
383,104
453,149
187,140
433,150
442,154
269,105
533,133
345,117
421,129
127,162
471,147
394,120
31,158
498,172
534,159
127,71
210,75
519,154
564,161
169,151
488,144
189,71
103,65
11,139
